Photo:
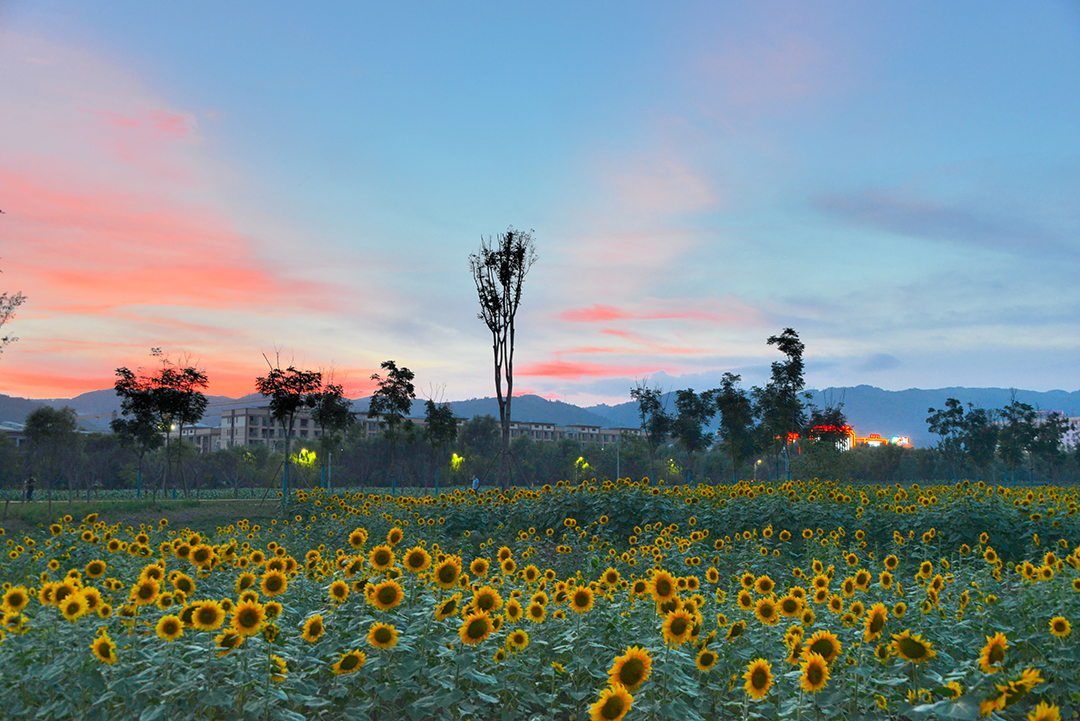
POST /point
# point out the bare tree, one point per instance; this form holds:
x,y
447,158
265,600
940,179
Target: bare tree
x,y
499,271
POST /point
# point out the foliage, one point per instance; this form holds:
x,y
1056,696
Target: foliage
x,y
967,561
290,391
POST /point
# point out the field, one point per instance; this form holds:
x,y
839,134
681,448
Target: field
x,y
603,600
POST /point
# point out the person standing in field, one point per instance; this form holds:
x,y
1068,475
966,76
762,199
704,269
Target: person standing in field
x,y
28,489
475,484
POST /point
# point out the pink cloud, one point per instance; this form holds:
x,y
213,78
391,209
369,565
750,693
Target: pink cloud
x,y
733,311
667,186
577,371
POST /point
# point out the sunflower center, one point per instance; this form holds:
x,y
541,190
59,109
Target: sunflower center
x,y
912,649
387,595
248,618
997,655
447,574
814,674
663,587
823,647
678,626
477,629
612,708
631,673
759,679
349,662
382,635
876,623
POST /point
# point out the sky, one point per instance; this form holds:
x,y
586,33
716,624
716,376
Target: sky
x,y
302,183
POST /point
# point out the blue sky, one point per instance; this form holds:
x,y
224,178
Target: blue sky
x,y
899,182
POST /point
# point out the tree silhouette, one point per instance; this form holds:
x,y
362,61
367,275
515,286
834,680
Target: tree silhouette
x,y
290,391
499,271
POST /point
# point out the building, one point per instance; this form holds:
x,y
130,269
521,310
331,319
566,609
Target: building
x,y
14,431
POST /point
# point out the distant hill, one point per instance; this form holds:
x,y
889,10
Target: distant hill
x,y
868,409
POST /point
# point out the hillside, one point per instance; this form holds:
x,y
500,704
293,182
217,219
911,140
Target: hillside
x,y
868,409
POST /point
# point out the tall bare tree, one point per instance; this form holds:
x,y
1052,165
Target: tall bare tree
x,y
499,270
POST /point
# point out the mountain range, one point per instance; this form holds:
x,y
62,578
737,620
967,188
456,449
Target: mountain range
x,y
868,409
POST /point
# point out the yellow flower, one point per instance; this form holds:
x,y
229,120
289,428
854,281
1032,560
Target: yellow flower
x,y
313,628
103,649
758,678
15,599
208,616
581,600
1060,626
612,705
381,558
824,644
631,669
875,622
677,627
278,668
487,600
475,628
169,628
382,635
227,641
350,662
536,612
993,653
339,591
1045,712
912,647
705,660
417,559
447,572
815,672
248,617
662,586
518,640
386,595
765,610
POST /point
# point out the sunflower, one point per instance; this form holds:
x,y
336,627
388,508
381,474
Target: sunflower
x,y
74,607
765,610
705,660
245,581
790,606
208,616
144,593
993,653
479,567
662,586
758,678
358,538
448,607
447,572
815,672
338,591
227,641
274,583
349,662
183,582
487,600
394,536
169,628
875,622
581,600
386,595
764,585
273,610
1060,626
912,648
513,610
678,626
1045,712
382,635
313,628
475,628
824,644
15,599
745,601
736,630
612,705
417,559
381,558
103,648
518,640
631,669
536,612
247,617
95,569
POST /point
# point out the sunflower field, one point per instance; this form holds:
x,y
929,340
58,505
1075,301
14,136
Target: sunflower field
x,y
600,600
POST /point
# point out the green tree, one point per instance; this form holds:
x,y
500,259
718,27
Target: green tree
x,y
440,430
950,427
1047,447
736,433
1017,434
333,412
290,391
692,413
52,444
391,403
499,272
822,452
980,439
655,420
780,404
139,426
